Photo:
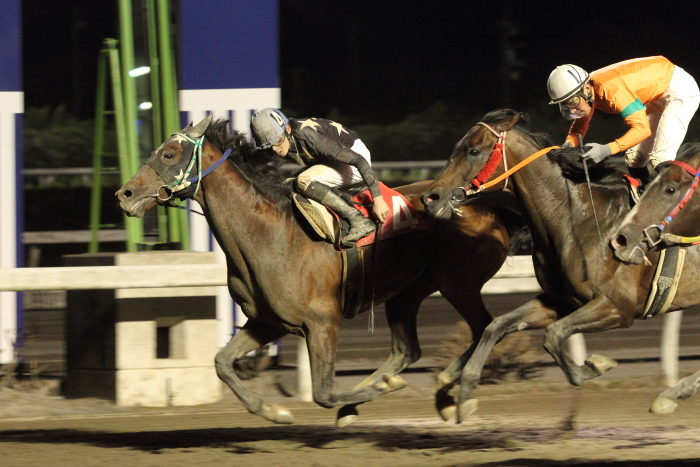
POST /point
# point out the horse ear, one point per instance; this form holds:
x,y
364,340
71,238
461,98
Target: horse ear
x,y
512,123
201,127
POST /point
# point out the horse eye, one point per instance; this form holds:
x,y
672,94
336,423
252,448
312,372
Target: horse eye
x,y
168,156
474,152
669,190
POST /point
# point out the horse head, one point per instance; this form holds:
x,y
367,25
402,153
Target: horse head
x,y
476,157
165,173
666,213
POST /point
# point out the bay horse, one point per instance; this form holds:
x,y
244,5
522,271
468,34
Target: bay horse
x,y
583,291
287,282
667,214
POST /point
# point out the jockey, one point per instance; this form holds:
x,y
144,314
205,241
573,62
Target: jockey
x,y
335,158
656,99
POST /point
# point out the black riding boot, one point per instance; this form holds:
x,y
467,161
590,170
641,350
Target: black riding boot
x,y
360,226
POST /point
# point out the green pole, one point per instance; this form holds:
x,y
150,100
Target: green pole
x,y
179,230
97,151
133,159
127,59
134,227
157,108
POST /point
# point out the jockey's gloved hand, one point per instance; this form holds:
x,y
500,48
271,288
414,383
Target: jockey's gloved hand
x,y
595,152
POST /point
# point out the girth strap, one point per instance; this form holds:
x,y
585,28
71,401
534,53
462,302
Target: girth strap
x,y
665,283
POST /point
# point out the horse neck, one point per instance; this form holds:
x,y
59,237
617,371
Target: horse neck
x,y
557,208
239,215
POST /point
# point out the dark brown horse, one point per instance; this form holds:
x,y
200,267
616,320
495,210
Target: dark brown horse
x,y
584,290
667,214
287,282
670,208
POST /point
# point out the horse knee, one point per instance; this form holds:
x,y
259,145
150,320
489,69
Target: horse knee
x,y
223,364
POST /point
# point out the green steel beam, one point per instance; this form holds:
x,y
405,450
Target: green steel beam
x,y
178,225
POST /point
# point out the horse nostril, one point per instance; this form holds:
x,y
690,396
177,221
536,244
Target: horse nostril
x,y
430,197
621,240
123,194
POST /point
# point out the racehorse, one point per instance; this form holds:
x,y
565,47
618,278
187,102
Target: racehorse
x,y
583,290
667,214
287,282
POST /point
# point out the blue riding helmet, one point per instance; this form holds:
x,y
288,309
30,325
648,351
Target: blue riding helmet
x,y
268,126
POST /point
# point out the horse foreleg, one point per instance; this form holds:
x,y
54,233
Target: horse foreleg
x,y
666,402
471,307
532,315
597,315
401,314
252,336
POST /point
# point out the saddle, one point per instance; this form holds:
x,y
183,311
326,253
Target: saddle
x,y
325,225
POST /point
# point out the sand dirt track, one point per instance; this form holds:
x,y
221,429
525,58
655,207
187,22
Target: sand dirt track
x,y
518,423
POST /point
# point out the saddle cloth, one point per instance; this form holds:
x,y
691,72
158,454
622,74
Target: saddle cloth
x,y
402,218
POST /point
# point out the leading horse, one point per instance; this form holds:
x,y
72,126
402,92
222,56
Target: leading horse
x,y
668,214
583,290
287,282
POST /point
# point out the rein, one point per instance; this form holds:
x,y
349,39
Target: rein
x,y
479,183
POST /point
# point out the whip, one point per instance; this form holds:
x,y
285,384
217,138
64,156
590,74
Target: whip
x,y
590,193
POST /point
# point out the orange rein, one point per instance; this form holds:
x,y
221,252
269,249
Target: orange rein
x,y
496,152
517,167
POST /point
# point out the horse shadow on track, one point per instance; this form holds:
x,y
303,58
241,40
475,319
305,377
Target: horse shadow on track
x,y
387,437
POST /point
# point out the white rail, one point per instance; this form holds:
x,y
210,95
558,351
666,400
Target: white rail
x,y
188,275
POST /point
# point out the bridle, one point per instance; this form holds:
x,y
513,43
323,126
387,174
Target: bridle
x,y
668,237
480,182
182,183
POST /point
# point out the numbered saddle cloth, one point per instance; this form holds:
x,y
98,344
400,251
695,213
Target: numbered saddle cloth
x,y
402,218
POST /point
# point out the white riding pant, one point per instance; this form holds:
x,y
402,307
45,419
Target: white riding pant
x,y
668,118
334,173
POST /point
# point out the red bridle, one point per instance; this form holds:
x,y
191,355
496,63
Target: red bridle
x,y
671,237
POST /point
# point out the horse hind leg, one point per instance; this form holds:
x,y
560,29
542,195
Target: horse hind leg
x,y
667,401
252,336
321,341
401,312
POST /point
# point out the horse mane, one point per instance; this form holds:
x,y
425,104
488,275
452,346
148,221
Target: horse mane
x,y
261,166
522,126
688,150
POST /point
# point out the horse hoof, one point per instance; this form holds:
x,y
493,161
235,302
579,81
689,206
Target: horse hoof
x,y
445,405
663,405
346,415
391,383
466,409
278,414
600,363
448,413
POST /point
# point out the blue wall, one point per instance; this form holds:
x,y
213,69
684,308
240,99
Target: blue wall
x,y
237,48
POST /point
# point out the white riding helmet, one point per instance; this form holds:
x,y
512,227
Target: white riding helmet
x,y
565,81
